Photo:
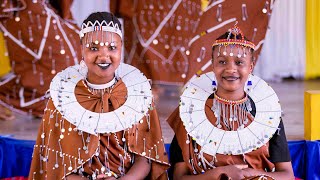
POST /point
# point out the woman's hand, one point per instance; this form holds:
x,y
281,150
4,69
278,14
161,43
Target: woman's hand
x,y
105,177
252,172
76,177
283,171
139,170
181,171
234,171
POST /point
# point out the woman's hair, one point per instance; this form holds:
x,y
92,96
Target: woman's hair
x,y
228,35
102,16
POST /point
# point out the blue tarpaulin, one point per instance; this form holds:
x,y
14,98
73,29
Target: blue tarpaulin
x,y
15,158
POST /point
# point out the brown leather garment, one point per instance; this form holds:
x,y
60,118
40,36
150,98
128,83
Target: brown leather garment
x,y
164,60
257,159
74,141
34,55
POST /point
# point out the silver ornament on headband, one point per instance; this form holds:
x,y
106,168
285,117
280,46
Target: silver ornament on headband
x,y
100,26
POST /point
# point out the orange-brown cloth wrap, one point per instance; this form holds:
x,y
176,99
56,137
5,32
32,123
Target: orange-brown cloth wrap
x,y
171,41
257,159
39,44
61,149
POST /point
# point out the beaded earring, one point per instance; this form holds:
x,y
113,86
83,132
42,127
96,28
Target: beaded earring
x,y
83,68
214,84
248,84
117,73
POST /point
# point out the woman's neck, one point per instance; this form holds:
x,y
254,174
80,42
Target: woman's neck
x,y
96,79
234,95
102,85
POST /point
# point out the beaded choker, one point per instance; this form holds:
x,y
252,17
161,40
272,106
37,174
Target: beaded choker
x,y
226,101
96,88
233,114
101,86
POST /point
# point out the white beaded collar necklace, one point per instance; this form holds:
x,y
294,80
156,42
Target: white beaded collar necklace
x,y
214,140
139,99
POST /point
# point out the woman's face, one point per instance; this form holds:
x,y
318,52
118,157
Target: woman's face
x,y
231,72
102,61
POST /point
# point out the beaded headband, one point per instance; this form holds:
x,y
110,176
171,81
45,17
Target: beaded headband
x,y
234,42
89,28
100,26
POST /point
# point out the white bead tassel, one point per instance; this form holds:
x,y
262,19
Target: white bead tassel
x,y
30,34
244,12
192,165
106,163
254,34
156,149
148,121
70,164
56,165
30,17
219,13
144,147
39,22
41,79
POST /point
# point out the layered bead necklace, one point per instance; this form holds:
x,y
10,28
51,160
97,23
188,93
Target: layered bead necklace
x,y
233,114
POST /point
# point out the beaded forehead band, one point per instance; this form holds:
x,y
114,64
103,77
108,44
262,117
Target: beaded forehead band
x,y
239,43
91,29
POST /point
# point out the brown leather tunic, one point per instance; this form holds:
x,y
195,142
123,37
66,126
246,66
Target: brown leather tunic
x,y
257,159
78,150
40,44
165,31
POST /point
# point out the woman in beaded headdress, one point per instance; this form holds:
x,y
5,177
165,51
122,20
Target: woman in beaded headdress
x,y
100,122
228,124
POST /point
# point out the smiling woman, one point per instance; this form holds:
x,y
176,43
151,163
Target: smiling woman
x,y
105,109
102,61
232,65
101,50
227,120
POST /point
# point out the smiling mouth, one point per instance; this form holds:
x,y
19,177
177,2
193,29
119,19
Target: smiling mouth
x,y
104,65
231,78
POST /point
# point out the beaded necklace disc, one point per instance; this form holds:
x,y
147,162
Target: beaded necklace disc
x,y
139,99
215,140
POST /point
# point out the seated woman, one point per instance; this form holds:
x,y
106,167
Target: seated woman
x,y
100,121
228,124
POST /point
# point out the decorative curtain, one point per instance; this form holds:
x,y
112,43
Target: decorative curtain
x,y
283,53
312,39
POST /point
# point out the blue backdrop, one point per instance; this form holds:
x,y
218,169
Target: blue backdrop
x,y
15,158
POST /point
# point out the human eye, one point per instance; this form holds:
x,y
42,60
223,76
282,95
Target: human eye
x,y
221,61
112,48
239,62
93,48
